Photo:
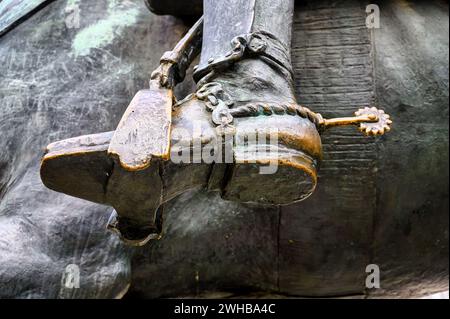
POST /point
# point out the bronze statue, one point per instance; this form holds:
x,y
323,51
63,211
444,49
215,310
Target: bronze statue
x,y
379,201
244,89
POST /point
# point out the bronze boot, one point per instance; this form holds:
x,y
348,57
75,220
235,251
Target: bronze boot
x,y
241,133
266,147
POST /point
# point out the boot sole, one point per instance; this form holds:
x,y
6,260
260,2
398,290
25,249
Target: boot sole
x,y
287,177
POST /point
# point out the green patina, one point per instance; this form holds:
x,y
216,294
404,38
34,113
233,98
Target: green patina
x,y
104,31
73,2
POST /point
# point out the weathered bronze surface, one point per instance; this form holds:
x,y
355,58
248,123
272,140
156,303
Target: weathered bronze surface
x,y
12,12
379,200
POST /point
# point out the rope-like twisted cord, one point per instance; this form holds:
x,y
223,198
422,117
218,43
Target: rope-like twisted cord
x,y
256,109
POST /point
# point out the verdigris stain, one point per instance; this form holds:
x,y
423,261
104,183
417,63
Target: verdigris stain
x,y
104,31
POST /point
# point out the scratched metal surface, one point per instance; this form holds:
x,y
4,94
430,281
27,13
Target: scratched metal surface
x,y
383,201
12,12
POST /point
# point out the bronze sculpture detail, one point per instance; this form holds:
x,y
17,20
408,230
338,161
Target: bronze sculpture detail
x,y
241,91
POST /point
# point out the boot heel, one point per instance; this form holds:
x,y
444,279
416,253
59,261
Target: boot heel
x,y
274,180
